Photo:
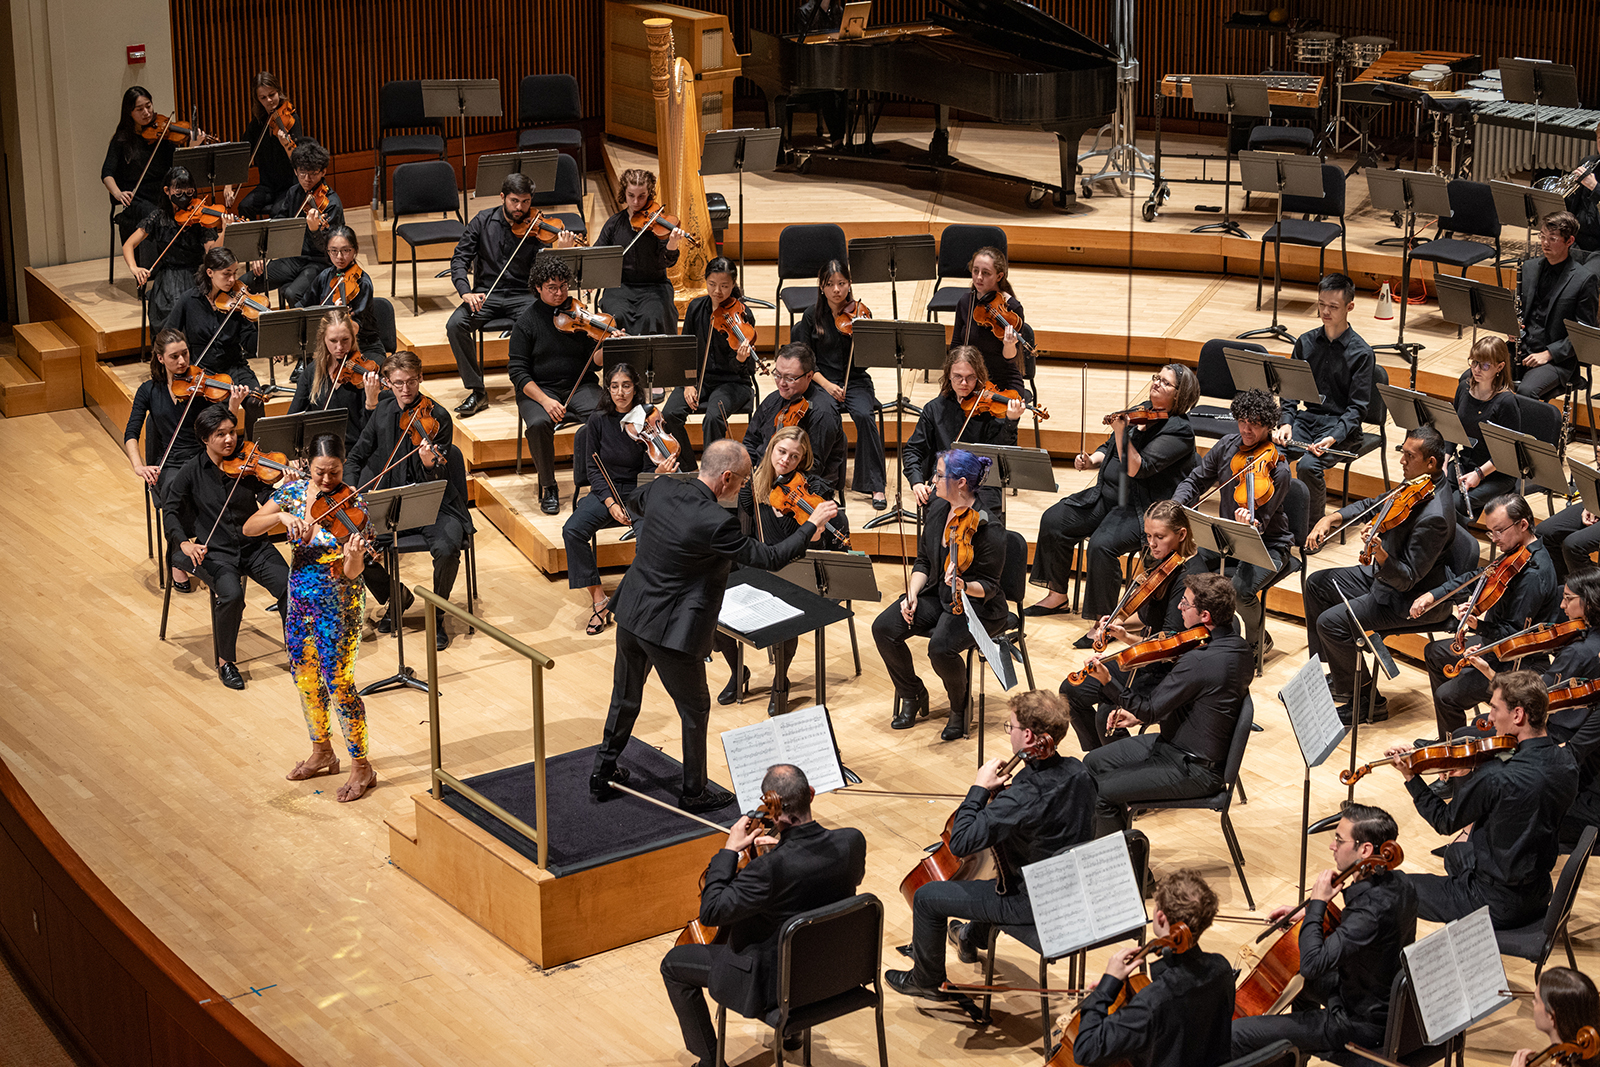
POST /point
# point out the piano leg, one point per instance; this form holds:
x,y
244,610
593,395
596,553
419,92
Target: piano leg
x,y
1067,142
939,146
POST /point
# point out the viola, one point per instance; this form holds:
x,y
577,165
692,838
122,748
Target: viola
x,y
211,386
648,430
1277,966
791,414
941,864
991,313
281,124
1144,586
845,321
729,320
1157,649
1584,1044
1178,939
268,467
237,298
346,287
420,424
959,531
575,318
341,512
653,217
992,400
202,212
792,497
697,932
1247,467
180,133
1137,416
547,228
1458,756
1493,581
1393,510
1544,637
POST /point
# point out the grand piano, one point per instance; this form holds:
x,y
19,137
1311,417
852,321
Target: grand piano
x,y
1002,59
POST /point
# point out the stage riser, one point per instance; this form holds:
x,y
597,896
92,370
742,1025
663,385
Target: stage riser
x,y
547,919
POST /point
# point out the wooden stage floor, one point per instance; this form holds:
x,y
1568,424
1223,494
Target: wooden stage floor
x,y
172,789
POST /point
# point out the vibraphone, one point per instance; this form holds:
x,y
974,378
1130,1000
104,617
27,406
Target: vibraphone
x,y
1501,143
1292,90
1398,66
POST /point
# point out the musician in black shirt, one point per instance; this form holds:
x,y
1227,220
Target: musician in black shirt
x,y
1514,807
943,425
1349,969
219,341
1584,201
833,348
204,513
335,382
1564,1003
137,159
1044,810
166,268
296,276
991,285
1342,366
331,287
643,303
725,371
1553,288
1197,705
269,152
794,372
1484,394
494,256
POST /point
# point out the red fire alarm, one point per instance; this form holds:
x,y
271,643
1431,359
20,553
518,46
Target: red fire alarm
x,y
135,54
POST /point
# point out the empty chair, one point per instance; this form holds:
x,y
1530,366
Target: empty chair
x,y
1309,232
552,98
1216,381
1472,214
400,108
424,189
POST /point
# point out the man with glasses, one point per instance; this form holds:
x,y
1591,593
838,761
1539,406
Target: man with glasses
x,y
1533,597
1342,365
793,372
1552,288
667,605
382,443
1411,556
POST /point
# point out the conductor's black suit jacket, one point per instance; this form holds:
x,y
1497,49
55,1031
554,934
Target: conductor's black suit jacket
x,y
810,868
687,544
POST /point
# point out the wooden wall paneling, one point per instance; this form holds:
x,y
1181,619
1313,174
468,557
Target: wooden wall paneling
x,y
22,912
93,992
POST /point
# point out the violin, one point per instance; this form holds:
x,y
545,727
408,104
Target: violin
x,y
941,864
992,400
697,932
268,467
178,133
421,425
1246,468
340,512
237,298
1394,509
346,287
1544,637
992,314
659,445
317,199
547,228
1493,581
845,321
1157,649
1574,694
1178,939
1584,1044
791,414
1137,416
792,497
653,217
729,321
958,534
1275,968
575,318
1459,756
200,211
354,369
281,123
211,386
1144,586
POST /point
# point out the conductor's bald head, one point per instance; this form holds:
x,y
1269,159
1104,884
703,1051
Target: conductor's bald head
x,y
725,467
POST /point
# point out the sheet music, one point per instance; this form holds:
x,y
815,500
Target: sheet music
x,y
1312,713
748,609
998,657
1457,974
1084,895
803,738
1483,974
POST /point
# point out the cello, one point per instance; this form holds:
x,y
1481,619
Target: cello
x,y
697,932
1178,939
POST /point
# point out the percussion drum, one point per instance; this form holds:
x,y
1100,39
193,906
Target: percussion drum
x,y
1427,79
1484,83
1365,51
1315,46
1491,75
1482,96
1443,68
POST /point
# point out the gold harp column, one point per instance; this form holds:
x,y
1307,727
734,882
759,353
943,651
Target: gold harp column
x,y
678,182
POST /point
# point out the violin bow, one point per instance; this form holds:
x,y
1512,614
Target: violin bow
x,y
333,381
616,496
187,404
237,478
619,787
705,358
170,115
533,224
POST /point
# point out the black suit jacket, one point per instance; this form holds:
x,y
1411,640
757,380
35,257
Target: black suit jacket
x,y
1418,549
1575,297
810,868
687,544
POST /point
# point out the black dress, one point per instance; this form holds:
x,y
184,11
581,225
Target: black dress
x,y
727,386
1500,409
643,303
125,161
180,250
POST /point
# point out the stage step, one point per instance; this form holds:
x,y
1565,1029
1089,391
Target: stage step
x,y
43,375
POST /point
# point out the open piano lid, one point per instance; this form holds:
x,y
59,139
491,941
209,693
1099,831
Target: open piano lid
x,y
1024,31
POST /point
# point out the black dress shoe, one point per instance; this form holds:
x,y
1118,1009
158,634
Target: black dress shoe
x,y
903,982
880,503
441,638
912,708
550,500
956,728
598,787
475,402
230,676
957,934
1084,642
1036,610
708,799
730,692
778,700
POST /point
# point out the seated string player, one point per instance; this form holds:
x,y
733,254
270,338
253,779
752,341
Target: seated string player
x,y
944,425
165,270
1040,811
1565,1002
799,401
311,199
643,303
204,513
1349,969
725,366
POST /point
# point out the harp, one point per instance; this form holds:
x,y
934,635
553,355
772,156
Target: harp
x,y
678,158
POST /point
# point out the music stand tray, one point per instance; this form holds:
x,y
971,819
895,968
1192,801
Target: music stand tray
x,y
444,98
1539,81
835,575
1279,175
1283,376
666,358
265,239
1409,192
1513,201
1410,409
595,268
218,164
906,258
287,332
1585,342
1230,539
1531,459
404,507
904,345
750,149
1016,467
1588,482
1477,304
817,614
293,434
539,164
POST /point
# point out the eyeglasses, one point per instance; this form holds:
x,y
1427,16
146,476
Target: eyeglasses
x,y
1493,532
787,379
1483,364
1157,379
1010,728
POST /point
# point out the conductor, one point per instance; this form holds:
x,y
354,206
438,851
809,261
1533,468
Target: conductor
x,y
666,607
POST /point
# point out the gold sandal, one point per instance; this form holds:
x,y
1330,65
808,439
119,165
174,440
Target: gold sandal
x,y
302,771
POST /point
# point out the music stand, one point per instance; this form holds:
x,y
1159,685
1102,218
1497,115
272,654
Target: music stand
x,y
1511,200
220,164
293,434
1470,303
1586,346
405,507
444,98
1541,83
753,149
1365,641
1284,175
1587,479
1407,193
592,268
903,345
1410,409
539,164
1016,467
1230,539
265,239
288,332
1533,460
909,258
1230,97
668,356
817,613
1285,377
